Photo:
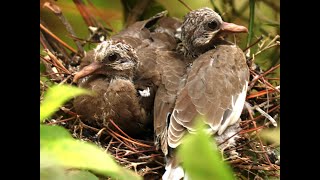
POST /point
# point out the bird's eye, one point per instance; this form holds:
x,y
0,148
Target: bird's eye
x,y
213,25
113,57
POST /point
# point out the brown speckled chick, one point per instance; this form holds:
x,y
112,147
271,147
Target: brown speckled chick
x,y
110,76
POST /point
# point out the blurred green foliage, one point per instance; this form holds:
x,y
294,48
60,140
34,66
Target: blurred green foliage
x,y
59,151
272,135
201,157
55,97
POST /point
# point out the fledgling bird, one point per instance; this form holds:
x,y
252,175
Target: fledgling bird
x,y
213,87
124,90
110,76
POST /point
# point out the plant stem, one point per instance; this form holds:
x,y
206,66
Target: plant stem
x,y
251,20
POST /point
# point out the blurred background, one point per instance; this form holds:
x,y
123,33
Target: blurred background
x,y
113,15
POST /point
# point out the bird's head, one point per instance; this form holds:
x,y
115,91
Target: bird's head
x,y
202,27
111,58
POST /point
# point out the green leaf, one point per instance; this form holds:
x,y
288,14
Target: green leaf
x,y
50,169
81,175
42,68
46,81
57,143
272,135
51,133
56,96
201,159
251,20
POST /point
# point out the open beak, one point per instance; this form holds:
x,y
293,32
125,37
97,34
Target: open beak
x,y
232,28
87,70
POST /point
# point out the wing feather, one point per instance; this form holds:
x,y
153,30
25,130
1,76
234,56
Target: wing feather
x,y
215,88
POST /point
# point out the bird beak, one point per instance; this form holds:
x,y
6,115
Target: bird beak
x,y
232,28
87,70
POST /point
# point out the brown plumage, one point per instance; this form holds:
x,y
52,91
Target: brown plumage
x,y
213,86
110,76
127,96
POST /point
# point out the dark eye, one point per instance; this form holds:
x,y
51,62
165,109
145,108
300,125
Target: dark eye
x,y
213,25
113,57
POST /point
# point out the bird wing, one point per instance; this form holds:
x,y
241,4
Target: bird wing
x,y
172,70
140,29
215,89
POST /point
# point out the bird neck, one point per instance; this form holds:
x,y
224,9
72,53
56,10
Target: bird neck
x,y
123,74
190,52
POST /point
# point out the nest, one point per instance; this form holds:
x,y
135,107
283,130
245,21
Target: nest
x,y
256,158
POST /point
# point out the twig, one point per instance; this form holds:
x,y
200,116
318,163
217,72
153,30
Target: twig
x,y
99,133
266,82
270,45
239,160
229,138
276,79
118,128
265,168
265,73
137,11
57,39
260,116
66,79
132,141
49,71
57,11
185,5
260,93
266,157
274,122
47,60
252,129
151,150
88,19
254,43
109,144
68,111
60,121
45,44
116,136
56,61
98,12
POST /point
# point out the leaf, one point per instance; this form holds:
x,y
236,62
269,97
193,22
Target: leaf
x,y
251,20
81,175
272,135
201,159
57,143
50,133
46,81
42,68
50,169
56,96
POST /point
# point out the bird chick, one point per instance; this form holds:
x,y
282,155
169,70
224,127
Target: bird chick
x,y
213,87
110,76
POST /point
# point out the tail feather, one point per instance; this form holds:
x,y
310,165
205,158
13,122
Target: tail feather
x,y
176,173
